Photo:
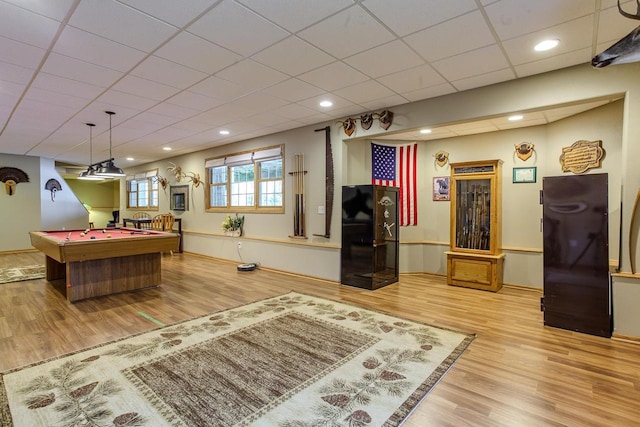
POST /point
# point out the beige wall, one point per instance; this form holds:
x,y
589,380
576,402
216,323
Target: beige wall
x,y
102,196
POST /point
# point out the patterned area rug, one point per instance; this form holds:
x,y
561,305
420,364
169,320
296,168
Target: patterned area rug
x,y
290,361
17,274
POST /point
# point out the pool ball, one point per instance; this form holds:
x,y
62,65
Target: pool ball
x,y
108,236
92,237
81,234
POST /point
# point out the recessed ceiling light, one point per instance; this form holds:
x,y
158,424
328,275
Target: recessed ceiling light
x,y
425,131
166,148
546,45
515,118
326,103
224,132
130,159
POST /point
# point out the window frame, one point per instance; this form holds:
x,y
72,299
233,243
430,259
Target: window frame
x,y
220,161
154,187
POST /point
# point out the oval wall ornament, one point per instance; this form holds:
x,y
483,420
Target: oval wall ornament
x,y
582,156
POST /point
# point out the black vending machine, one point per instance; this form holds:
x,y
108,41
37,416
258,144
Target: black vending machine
x,y
577,283
369,254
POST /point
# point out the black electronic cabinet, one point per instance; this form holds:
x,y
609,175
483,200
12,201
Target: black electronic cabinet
x,y
369,254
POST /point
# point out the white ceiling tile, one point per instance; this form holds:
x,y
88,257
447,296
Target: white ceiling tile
x,y
178,13
476,34
347,33
412,79
123,99
573,35
197,53
429,92
174,111
219,88
275,117
195,101
293,90
384,102
145,88
97,50
338,103
294,111
120,23
554,63
293,56
484,79
27,27
57,9
385,59
167,72
408,16
612,26
236,28
20,54
512,18
479,61
333,76
56,98
365,92
15,73
295,15
9,94
259,102
221,115
250,75
66,86
75,69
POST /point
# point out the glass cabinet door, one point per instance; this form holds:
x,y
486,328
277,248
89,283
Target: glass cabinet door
x,y
473,214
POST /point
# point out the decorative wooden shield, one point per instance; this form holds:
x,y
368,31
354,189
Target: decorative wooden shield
x,y
386,118
524,150
366,120
349,126
441,158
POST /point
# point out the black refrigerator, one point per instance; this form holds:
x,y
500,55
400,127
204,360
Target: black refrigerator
x,y
369,253
577,283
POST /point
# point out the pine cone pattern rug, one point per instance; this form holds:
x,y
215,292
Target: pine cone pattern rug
x,y
293,360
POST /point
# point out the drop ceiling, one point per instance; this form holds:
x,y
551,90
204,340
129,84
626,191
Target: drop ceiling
x,y
176,72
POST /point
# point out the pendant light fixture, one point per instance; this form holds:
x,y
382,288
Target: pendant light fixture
x,y
90,173
109,169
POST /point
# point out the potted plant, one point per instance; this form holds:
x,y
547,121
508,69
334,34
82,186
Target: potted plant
x,y
232,226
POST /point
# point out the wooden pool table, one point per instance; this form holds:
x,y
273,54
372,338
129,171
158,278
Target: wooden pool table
x,y
104,262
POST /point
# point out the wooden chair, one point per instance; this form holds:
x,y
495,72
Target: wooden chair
x,y
139,215
167,222
157,223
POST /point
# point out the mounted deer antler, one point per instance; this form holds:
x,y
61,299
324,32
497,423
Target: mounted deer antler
x,y
194,178
161,180
627,49
348,125
177,171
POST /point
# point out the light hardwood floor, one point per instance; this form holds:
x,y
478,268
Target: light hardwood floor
x,y
516,373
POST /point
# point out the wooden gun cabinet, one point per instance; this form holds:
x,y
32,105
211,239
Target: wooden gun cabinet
x,y
475,259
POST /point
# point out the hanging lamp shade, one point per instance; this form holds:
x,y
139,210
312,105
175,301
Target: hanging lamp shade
x,y
90,173
108,168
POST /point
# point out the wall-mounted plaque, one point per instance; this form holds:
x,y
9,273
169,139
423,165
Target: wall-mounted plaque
x,y
582,156
179,197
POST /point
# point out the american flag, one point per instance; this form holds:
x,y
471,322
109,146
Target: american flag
x,y
395,166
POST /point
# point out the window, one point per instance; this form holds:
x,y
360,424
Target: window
x,y
143,190
250,181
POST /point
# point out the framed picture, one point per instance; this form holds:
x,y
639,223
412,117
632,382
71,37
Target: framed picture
x,y
521,175
441,188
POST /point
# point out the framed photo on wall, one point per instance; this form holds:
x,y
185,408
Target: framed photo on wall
x,y
441,189
523,175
